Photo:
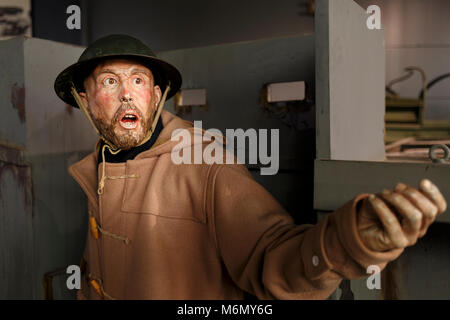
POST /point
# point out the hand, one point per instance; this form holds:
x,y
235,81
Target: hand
x,y
397,218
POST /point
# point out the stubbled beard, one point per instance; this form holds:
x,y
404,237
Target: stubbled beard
x,y
125,139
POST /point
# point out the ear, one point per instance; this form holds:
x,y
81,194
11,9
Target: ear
x,y
158,93
83,97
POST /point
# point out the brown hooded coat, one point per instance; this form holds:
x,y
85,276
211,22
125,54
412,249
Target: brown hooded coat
x,y
204,231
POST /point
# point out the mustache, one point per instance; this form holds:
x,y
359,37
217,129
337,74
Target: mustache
x,y
124,107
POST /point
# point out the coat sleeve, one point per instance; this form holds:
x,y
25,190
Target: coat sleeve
x,y
266,254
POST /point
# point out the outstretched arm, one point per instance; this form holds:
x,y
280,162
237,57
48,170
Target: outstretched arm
x,y
266,254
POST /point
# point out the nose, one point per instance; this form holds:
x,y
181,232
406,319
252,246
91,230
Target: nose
x,y
125,95
126,98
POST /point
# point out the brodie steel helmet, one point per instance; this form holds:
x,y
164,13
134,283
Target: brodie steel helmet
x,y
119,47
69,82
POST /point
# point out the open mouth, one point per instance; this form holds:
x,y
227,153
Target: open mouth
x,y
129,120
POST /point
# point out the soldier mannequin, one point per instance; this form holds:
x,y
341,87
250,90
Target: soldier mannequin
x,y
165,231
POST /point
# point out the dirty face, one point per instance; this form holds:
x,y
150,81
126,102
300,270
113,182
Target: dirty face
x,y
122,99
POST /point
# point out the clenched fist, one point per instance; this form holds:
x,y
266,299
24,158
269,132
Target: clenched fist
x,y
397,218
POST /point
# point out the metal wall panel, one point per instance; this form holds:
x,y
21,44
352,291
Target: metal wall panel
x,y
47,231
16,227
234,75
12,82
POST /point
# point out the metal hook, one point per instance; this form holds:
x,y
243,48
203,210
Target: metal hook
x,y
433,156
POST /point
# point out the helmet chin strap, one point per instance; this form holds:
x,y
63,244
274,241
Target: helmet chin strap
x,y
113,149
156,115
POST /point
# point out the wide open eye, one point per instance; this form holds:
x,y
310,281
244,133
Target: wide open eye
x,y
109,81
138,81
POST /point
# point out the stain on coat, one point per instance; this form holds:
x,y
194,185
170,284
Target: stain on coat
x,y
18,100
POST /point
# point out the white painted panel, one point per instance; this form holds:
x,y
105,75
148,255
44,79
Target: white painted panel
x,y
286,91
192,97
350,80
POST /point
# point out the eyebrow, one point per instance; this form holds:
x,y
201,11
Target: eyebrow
x,y
133,71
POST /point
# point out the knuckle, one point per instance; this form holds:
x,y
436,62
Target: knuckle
x,y
401,242
432,212
415,217
404,242
411,192
391,221
396,198
378,203
400,186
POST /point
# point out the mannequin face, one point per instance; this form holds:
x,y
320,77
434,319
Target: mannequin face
x,y
122,98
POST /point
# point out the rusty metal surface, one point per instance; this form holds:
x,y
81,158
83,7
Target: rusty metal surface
x,y
42,210
12,87
16,227
60,220
42,222
18,100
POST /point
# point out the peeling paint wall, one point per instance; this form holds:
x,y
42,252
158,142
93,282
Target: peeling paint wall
x,y
43,213
16,227
12,127
18,100
51,127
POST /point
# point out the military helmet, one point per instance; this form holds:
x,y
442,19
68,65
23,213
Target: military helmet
x,y
115,47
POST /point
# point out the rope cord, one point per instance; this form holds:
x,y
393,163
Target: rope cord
x,y
101,184
114,236
80,104
127,176
95,226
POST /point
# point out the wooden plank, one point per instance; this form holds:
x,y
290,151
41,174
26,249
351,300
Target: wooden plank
x,y
392,136
436,124
427,125
401,116
414,154
397,145
403,102
336,182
